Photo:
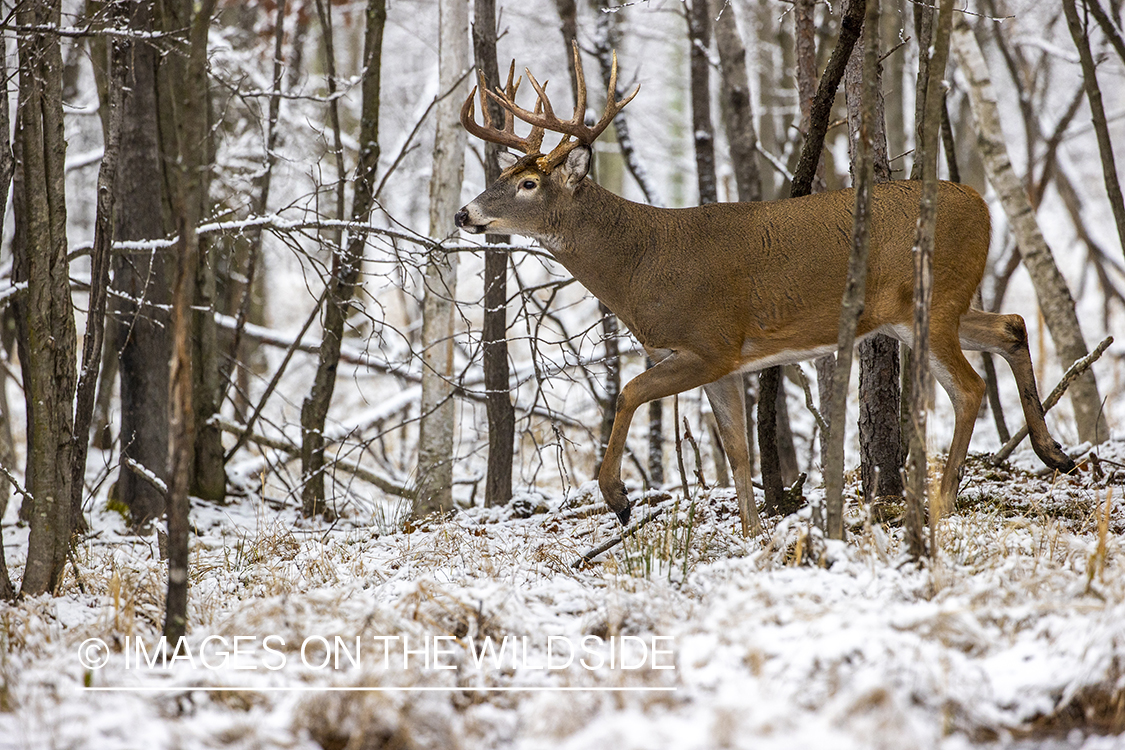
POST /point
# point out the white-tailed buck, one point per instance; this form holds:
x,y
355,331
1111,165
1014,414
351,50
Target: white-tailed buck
x,y
724,288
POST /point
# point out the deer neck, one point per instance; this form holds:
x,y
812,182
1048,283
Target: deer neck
x,y
599,241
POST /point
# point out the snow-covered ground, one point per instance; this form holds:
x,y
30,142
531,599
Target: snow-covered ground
x,y
687,636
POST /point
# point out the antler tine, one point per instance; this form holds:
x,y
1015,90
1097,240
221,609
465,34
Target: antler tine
x,y
489,132
575,132
485,115
580,89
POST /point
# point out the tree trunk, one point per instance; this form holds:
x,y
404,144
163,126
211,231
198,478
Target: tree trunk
x,y
100,258
501,413
802,184
346,264
208,475
7,446
1080,33
435,442
49,316
734,98
880,440
891,22
189,198
927,158
142,279
804,28
1055,300
865,149
703,132
738,119
769,386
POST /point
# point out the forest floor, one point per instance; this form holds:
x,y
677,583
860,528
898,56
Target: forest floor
x,y
687,636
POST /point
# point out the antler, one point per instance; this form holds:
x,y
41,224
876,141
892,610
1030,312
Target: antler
x,y
575,132
489,132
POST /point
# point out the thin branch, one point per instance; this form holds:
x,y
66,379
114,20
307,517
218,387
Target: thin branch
x,y
1072,374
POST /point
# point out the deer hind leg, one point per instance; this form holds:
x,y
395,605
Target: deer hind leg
x,y
966,391
679,371
728,403
1006,335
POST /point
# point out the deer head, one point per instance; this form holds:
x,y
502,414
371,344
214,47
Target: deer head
x,y
532,190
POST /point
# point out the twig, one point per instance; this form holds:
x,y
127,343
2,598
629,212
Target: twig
x,y
804,381
388,486
16,485
998,19
1072,374
590,554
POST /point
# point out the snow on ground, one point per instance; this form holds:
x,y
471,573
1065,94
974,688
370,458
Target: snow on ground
x,y
685,637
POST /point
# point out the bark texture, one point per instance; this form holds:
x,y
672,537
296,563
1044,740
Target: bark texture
x,y
48,315
920,376
501,413
865,149
880,439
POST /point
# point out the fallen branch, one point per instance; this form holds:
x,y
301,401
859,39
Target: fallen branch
x,y
594,552
146,474
1074,372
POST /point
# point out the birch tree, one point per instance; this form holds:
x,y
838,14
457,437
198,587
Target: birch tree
x,y
435,442
1055,300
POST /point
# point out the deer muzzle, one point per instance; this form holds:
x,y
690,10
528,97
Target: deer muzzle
x,y
469,222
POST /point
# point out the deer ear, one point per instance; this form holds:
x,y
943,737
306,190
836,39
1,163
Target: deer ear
x,y
576,166
506,159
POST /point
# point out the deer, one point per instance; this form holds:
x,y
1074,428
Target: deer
x,y
716,290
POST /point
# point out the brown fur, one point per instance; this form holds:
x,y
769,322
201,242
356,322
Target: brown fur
x,y
717,289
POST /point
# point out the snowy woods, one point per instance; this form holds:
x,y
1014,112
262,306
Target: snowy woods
x,y
255,384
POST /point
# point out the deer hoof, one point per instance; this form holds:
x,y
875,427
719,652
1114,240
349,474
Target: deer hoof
x,y
1057,459
623,515
617,500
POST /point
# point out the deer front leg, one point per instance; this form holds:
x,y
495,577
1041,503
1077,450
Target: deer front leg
x,y
678,372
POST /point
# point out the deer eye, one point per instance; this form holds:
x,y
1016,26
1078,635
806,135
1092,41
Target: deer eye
x,y
528,184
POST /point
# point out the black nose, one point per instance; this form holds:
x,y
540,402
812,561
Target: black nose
x,y
461,218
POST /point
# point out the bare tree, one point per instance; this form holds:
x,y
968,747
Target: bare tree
x,y
734,100
852,305
346,262
99,267
703,131
494,341
139,328
188,202
49,374
880,440
7,446
926,155
1080,33
435,442
805,174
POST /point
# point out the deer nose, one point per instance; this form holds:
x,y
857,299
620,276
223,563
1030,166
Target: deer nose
x,y
461,218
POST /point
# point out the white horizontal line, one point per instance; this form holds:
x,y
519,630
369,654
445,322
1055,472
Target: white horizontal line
x,y
337,688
